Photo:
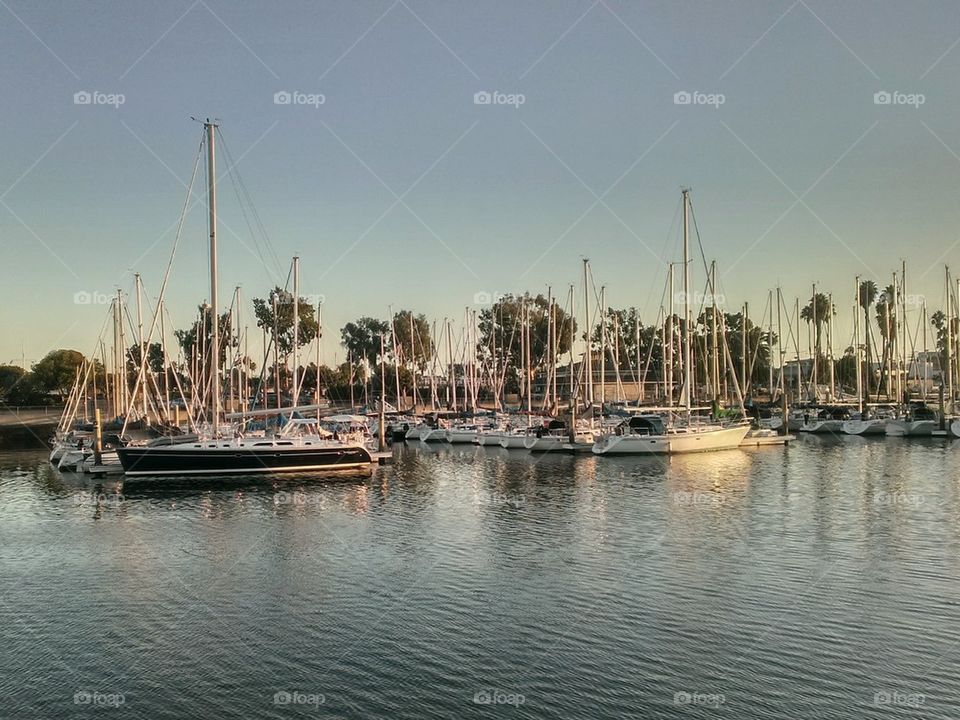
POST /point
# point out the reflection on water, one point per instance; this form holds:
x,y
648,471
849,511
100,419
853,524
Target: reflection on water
x,y
812,581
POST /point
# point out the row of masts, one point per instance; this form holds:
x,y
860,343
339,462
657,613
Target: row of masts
x,y
705,358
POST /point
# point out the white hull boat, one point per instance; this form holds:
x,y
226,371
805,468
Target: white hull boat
x,y
432,434
760,437
413,433
515,440
461,436
873,426
833,427
647,435
911,428
955,429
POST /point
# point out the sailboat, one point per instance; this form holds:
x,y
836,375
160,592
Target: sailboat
x,y
298,448
650,434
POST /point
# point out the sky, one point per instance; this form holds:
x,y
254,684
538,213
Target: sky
x,y
816,137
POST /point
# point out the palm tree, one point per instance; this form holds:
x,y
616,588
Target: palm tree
x,y
818,309
887,322
867,294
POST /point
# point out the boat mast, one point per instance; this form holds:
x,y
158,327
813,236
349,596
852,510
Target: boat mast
x,y
527,358
296,331
143,355
770,343
687,360
603,349
856,345
214,317
413,364
587,333
830,359
547,394
714,340
744,345
668,335
903,330
816,349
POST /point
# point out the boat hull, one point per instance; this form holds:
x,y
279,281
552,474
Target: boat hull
x,y
229,461
673,443
514,442
463,437
547,443
911,428
834,427
876,426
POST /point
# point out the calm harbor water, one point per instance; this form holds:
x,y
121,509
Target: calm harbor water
x,y
821,581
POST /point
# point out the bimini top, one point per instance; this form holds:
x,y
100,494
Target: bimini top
x,y
652,424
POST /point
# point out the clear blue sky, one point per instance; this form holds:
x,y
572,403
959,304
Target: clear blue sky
x,y
798,177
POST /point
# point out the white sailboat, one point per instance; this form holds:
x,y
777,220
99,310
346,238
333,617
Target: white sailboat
x,y
649,434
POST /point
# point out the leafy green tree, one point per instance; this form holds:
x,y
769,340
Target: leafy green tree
x,y
57,371
500,328
886,309
818,312
418,352
275,314
361,338
10,377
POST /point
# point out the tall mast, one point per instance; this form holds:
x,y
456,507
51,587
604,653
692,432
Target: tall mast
x,y
143,355
214,315
830,361
714,349
603,348
949,368
527,357
573,315
856,345
770,343
413,363
687,360
816,349
641,374
296,330
453,368
668,345
588,331
743,348
548,395
903,329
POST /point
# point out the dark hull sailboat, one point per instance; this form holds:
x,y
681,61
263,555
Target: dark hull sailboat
x,y
243,457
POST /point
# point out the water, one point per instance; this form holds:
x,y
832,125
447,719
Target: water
x,y
821,581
